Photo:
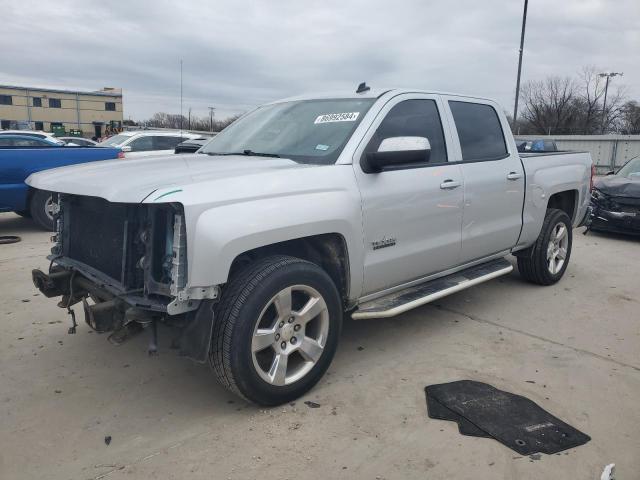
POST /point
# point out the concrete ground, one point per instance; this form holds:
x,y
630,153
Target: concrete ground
x,y
574,348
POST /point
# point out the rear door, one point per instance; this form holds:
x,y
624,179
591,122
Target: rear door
x,y
412,214
493,178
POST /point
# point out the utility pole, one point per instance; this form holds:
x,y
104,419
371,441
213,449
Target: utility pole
x,y
211,109
608,75
524,24
189,125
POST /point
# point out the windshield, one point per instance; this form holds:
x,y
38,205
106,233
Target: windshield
x,y
630,169
307,131
114,141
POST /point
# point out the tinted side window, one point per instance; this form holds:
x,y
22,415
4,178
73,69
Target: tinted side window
x,y
413,118
6,142
166,143
30,143
142,144
479,131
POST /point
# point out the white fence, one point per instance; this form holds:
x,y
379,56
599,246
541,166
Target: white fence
x,y
609,152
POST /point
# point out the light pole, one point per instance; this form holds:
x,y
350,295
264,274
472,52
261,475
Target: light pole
x,y
524,24
608,75
181,97
211,109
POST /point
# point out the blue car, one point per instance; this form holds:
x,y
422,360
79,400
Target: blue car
x,y
22,155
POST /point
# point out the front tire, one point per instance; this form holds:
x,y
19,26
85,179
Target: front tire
x,y
276,330
546,261
41,208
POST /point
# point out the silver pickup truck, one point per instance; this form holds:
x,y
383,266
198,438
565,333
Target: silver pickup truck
x,y
370,203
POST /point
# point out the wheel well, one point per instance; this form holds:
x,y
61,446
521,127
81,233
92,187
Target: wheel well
x,y
328,251
565,201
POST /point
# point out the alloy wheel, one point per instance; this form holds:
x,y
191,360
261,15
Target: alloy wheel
x,y
557,248
290,335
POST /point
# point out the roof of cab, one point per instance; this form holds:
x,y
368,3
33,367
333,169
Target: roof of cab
x,y
372,93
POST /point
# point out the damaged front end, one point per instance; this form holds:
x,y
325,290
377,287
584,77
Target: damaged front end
x,y
614,213
127,265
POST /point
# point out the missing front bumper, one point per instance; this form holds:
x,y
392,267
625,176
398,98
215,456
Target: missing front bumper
x,y
107,310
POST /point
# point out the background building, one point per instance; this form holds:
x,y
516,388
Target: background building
x,y
68,111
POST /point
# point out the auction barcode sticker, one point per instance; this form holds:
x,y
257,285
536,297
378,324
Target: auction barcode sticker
x,y
337,117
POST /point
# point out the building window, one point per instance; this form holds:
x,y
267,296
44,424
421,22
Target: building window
x,y
5,124
55,103
38,125
37,102
6,100
110,106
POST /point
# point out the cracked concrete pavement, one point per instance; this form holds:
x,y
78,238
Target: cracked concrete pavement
x,y
574,348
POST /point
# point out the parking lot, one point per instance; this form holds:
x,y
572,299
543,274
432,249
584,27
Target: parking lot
x,y
574,348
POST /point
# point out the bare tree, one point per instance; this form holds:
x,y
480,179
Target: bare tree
x,y
549,104
629,118
174,121
589,98
563,105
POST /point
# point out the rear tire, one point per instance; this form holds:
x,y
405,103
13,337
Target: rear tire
x,y
40,208
546,260
276,330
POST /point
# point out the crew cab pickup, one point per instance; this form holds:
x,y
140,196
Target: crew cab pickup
x,y
22,155
370,203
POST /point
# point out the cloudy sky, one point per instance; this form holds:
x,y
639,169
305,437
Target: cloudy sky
x,y
238,54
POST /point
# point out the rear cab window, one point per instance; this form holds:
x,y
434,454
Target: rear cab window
x,y
479,131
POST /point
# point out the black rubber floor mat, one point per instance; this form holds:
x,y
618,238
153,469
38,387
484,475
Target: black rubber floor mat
x,y
513,420
440,412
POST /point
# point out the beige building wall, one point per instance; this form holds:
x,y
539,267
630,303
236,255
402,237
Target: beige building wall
x,y
86,111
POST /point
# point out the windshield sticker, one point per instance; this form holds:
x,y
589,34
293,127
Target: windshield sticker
x,y
337,117
322,147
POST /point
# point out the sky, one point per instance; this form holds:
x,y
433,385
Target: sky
x,y
238,54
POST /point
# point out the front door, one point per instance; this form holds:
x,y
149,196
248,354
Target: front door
x,y
98,131
412,214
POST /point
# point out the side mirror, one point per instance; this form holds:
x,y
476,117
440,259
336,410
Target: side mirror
x,y
397,151
126,148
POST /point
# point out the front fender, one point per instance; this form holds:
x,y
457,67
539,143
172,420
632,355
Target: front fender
x,y
223,232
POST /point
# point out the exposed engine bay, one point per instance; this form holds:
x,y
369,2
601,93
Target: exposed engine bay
x,y
126,264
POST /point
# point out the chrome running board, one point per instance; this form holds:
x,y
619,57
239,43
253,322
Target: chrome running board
x,y
412,297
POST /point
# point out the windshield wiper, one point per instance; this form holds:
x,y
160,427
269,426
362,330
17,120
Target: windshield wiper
x,y
247,153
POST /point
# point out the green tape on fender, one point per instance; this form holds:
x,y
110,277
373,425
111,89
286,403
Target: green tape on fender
x,y
168,193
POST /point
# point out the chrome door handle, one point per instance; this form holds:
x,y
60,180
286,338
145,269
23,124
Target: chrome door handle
x,y
514,176
449,184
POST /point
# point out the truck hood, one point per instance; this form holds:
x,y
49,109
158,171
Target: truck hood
x,y
132,181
